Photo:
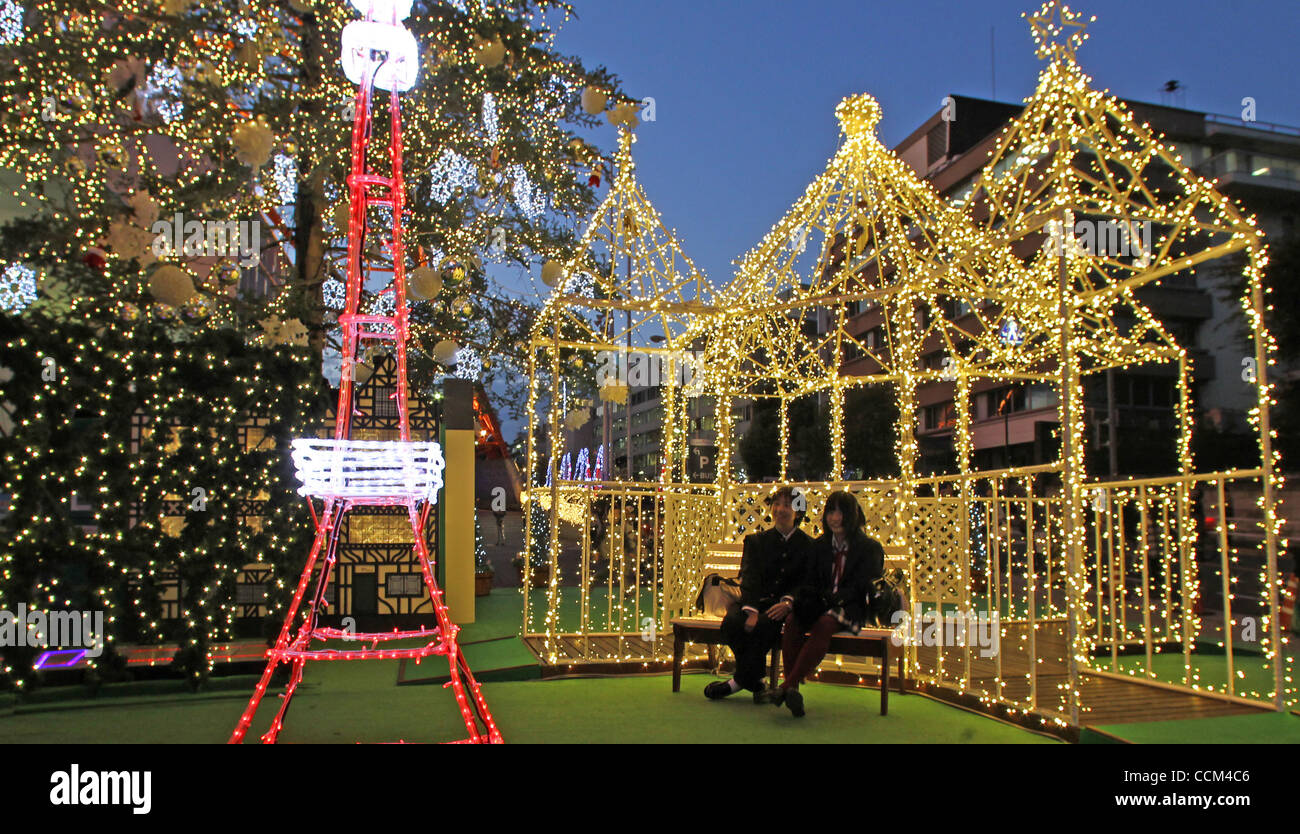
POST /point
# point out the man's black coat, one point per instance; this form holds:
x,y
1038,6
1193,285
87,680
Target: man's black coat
x,y
772,567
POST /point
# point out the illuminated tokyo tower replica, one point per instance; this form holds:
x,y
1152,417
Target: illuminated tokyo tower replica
x,y
378,53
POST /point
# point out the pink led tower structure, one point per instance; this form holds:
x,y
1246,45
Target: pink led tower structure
x,y
378,53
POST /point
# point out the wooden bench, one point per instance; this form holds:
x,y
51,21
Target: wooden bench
x,y
724,560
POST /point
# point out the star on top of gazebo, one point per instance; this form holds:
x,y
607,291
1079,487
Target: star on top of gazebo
x,y
1051,25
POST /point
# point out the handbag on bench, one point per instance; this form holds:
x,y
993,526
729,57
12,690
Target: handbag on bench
x,y
887,598
718,594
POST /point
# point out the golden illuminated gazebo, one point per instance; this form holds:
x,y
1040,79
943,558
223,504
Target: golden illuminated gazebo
x,y
1096,584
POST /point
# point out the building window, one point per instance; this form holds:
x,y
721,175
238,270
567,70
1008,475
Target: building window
x,y
1003,401
252,594
941,416
933,361
385,401
404,585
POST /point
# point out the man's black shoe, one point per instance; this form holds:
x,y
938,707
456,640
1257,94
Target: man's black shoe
x,y
717,690
764,696
794,700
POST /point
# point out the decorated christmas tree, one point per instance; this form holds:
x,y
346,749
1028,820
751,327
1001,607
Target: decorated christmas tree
x,y
177,171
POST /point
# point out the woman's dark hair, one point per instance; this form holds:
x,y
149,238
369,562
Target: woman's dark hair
x,y
850,511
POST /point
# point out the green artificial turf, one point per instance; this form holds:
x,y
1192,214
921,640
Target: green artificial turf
x,y
349,702
1264,728
621,614
499,614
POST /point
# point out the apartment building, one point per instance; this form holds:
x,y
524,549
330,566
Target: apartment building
x,y
1256,164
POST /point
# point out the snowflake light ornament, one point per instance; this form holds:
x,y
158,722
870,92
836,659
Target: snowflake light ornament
x,y
469,365
286,178
491,122
163,91
11,22
334,293
451,172
17,288
530,199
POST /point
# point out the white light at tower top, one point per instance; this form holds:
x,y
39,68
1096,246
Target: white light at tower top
x,y
384,10
381,33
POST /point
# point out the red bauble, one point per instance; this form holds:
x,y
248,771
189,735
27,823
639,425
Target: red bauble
x,y
594,181
95,258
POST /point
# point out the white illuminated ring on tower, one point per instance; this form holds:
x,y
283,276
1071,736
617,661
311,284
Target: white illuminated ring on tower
x,y
381,473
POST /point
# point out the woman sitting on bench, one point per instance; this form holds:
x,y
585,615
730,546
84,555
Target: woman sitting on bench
x,y
833,596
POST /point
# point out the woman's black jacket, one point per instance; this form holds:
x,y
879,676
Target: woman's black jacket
x,y
864,564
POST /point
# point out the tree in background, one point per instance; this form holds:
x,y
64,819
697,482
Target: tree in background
x,y
1283,281
1222,449
138,368
870,430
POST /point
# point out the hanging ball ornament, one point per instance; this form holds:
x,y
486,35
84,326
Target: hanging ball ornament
x,y
95,258
445,351
127,311
551,273
171,285
226,273
594,100
491,53
423,283
252,141
163,312
199,308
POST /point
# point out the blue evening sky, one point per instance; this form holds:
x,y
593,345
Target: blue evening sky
x,y
745,90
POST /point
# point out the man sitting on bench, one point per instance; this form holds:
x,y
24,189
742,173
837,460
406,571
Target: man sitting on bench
x,y
771,569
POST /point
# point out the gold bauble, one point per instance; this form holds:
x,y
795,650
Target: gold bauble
x,y
171,285
594,100
552,271
423,283
445,351
491,53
